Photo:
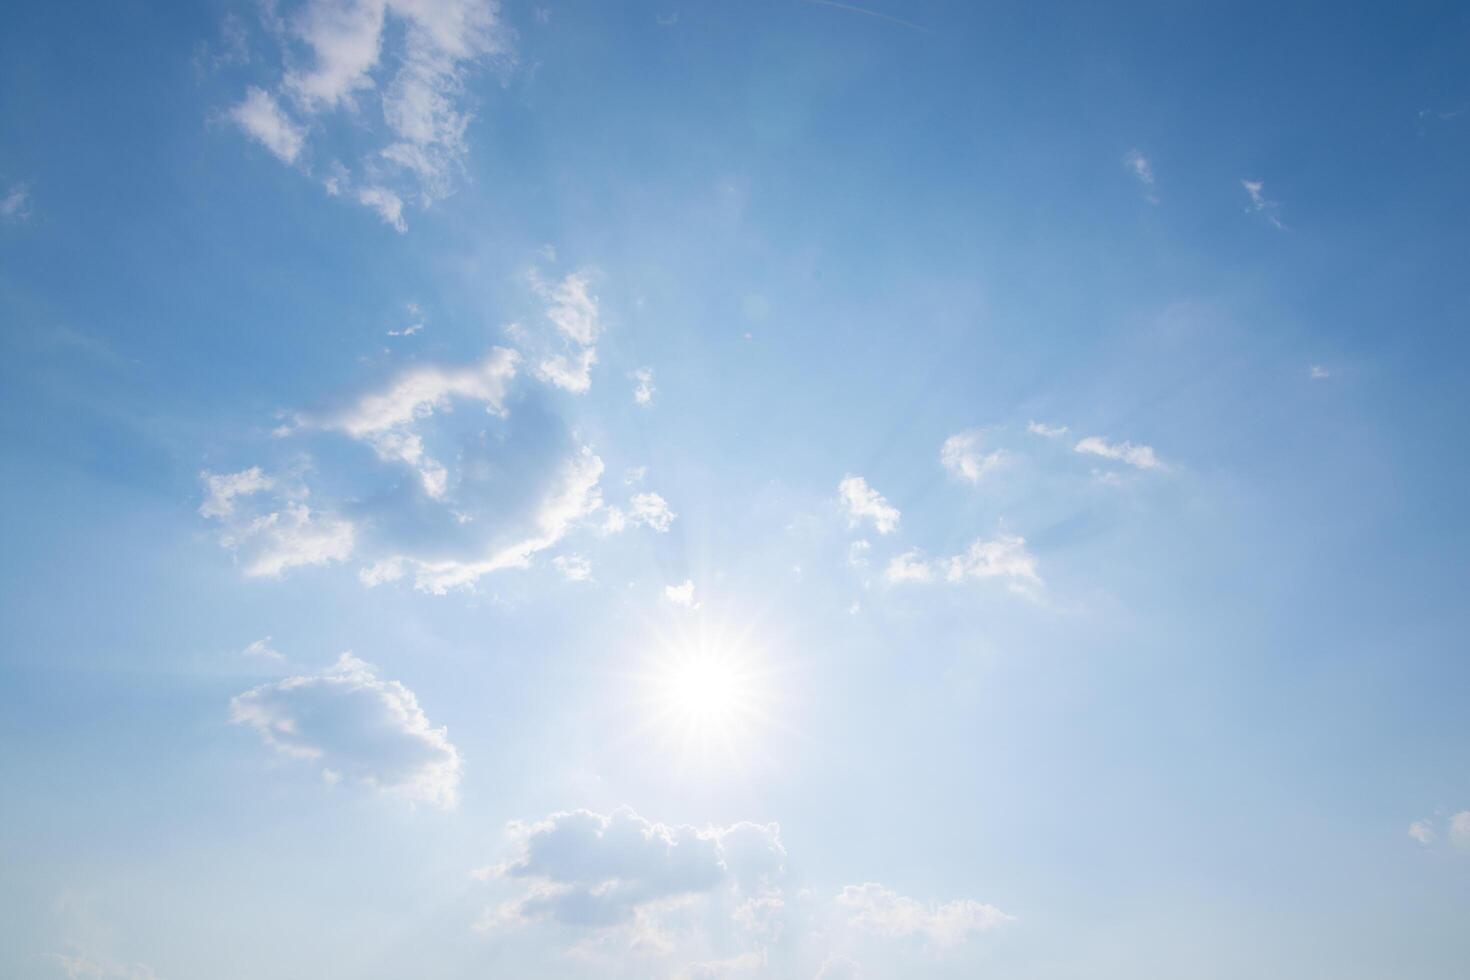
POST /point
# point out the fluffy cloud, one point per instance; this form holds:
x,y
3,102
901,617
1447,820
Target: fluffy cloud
x,y
883,912
574,568
962,455
862,502
397,68
1125,452
262,648
1422,832
282,535
388,420
1004,557
260,116
595,871
355,725
643,388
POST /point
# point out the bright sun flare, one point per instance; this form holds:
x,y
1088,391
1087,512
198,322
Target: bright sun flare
x,y
703,689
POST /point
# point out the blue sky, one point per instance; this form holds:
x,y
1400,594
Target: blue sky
x,y
777,489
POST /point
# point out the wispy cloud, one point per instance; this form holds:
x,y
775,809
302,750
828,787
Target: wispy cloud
x,y
1142,457
866,12
1136,162
1048,431
886,913
1260,204
643,389
15,204
964,456
260,116
1003,557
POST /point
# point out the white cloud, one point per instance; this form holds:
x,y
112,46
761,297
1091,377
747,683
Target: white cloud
x,y
573,311
387,204
261,117
575,568
857,553
595,871
1003,557
1049,431
15,205
644,510
407,331
635,474
863,502
1144,171
1142,457
221,489
349,721
263,648
1422,832
272,540
728,967
1460,830
1317,372
883,912
643,391
962,455
1259,203
397,68
573,498
681,595
386,420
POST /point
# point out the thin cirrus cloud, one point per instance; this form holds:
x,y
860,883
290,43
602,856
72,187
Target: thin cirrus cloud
x,y
355,726
1260,204
862,503
577,321
393,72
884,912
643,389
1142,457
1138,164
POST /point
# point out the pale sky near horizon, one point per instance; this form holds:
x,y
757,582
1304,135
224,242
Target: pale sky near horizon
x,y
773,489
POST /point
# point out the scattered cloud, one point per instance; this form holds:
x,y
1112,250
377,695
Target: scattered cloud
x,y
1049,431
862,502
15,204
358,726
281,535
883,912
643,389
1259,203
644,510
407,331
575,568
963,456
1003,557
573,311
857,553
681,595
260,116
838,967
78,967
1317,372
1142,457
394,72
263,648
1422,832
1144,171
595,871
388,420
1460,830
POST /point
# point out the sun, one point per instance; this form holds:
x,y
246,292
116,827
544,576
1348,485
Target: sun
x,y
703,690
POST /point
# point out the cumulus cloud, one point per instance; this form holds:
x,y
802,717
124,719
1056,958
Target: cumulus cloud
x,y
262,118
1003,557
1422,832
964,456
644,510
596,870
574,568
387,420
397,70
262,648
357,726
283,534
862,502
1142,457
883,912
643,388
